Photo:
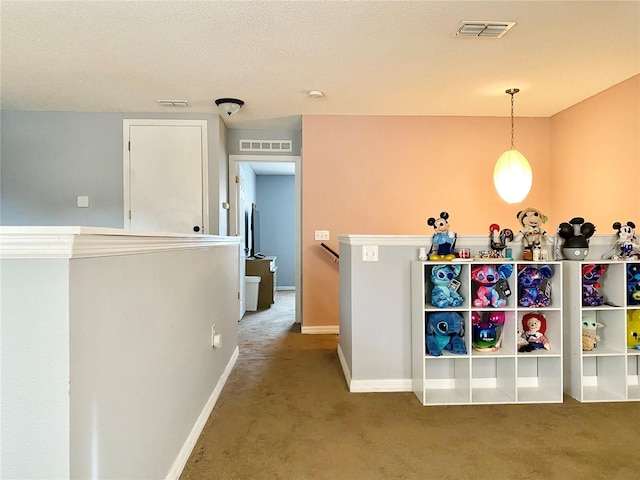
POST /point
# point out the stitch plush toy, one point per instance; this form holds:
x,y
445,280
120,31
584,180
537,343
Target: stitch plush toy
x,y
576,234
534,327
532,233
442,294
533,288
445,331
590,337
590,275
633,284
486,277
444,241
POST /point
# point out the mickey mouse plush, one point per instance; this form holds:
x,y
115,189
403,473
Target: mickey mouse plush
x,y
625,241
444,241
532,232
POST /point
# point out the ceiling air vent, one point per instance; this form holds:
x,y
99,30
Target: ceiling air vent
x,y
173,103
265,146
483,29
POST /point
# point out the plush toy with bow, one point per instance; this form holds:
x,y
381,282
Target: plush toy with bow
x,y
444,240
590,337
534,327
492,284
534,286
443,279
445,331
591,273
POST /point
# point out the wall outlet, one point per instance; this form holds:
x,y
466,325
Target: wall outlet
x,y
322,235
370,253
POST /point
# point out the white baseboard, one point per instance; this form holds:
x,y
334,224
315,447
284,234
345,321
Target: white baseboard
x,y
321,329
178,464
363,386
285,288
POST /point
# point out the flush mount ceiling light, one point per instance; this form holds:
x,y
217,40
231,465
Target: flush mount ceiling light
x,y
512,174
229,105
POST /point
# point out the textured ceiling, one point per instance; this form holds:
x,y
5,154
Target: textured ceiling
x,y
369,58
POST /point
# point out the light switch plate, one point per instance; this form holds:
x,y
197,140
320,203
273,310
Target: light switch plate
x,y
83,201
370,253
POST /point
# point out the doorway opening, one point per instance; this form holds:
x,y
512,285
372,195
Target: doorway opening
x,y
263,177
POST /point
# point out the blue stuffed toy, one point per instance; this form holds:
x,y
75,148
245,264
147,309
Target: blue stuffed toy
x,y
445,331
534,289
442,295
633,284
492,285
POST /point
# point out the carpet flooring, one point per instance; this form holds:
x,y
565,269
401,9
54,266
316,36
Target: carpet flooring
x,y
286,413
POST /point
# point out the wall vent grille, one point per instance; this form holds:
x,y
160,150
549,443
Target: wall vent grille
x,y
266,146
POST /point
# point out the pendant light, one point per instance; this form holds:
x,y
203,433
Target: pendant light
x,y
512,174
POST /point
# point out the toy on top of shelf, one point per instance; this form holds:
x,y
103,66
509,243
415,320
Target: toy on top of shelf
x,y
487,331
444,240
493,287
534,327
576,234
498,240
532,233
626,243
633,329
445,286
590,337
445,331
591,273
535,288
633,284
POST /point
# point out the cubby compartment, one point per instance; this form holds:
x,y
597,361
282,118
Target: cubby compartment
x,y
604,378
493,380
611,332
538,381
490,286
633,369
539,285
446,381
506,332
552,331
454,295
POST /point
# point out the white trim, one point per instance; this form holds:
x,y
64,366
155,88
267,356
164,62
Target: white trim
x,y
285,288
345,366
88,242
388,385
321,329
181,460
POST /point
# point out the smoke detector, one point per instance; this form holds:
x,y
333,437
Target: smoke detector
x,y
483,29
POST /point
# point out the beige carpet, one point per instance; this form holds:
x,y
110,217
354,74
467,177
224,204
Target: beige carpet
x,y
286,413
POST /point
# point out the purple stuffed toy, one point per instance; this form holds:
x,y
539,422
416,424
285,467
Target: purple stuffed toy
x,y
590,275
533,287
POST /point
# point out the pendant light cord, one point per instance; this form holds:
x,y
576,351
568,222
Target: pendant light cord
x,y
512,127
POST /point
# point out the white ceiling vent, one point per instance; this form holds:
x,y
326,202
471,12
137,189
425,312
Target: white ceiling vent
x,y
265,146
173,103
483,29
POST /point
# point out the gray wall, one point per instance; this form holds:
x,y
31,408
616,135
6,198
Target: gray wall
x,y
49,158
275,195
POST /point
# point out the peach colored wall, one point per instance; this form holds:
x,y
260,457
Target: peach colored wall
x,y
595,158
387,175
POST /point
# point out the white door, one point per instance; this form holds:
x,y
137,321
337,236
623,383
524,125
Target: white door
x,y
165,175
241,232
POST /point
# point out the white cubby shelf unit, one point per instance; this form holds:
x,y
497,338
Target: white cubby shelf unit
x,y
501,377
608,372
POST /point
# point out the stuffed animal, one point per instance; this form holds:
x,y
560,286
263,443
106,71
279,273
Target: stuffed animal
x,y
576,234
625,242
534,327
445,331
487,331
534,286
532,233
590,275
498,239
444,241
590,337
442,295
633,284
492,284
633,329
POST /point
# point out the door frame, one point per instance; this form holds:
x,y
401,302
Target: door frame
x,y
127,123
234,161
